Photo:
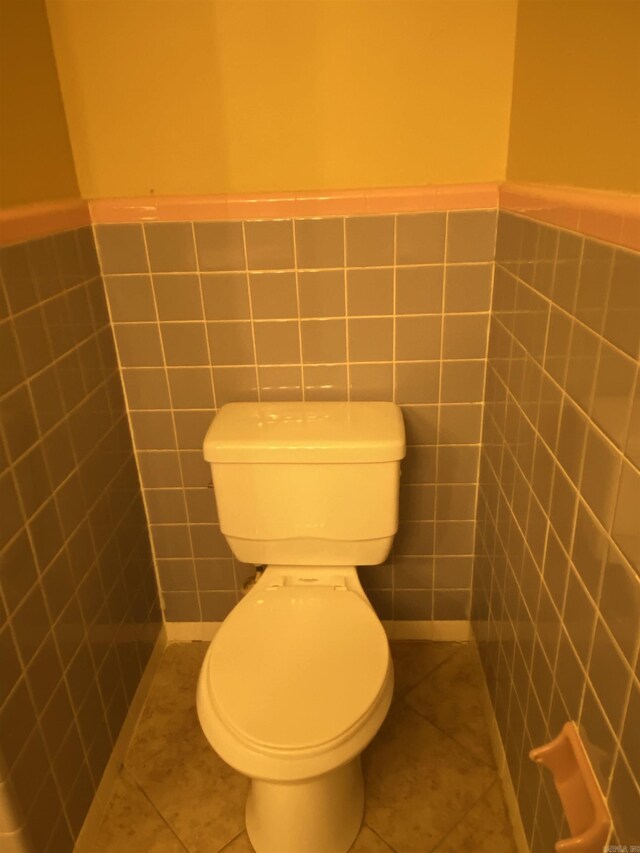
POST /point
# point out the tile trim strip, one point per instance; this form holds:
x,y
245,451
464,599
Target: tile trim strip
x,y
610,216
28,221
295,204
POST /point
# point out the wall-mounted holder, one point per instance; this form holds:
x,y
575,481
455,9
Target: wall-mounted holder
x,y
584,805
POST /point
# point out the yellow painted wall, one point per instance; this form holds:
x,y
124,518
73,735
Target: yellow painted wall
x,y
575,118
35,154
208,96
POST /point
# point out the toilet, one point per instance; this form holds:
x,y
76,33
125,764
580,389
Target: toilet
x,y
298,679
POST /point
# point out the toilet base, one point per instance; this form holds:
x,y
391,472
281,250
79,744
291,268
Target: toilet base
x,y
320,815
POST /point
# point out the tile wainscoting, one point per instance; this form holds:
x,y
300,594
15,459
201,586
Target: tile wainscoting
x,y
79,610
337,308
556,602
384,294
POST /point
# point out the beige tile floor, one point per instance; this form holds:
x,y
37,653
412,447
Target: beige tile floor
x,y
431,783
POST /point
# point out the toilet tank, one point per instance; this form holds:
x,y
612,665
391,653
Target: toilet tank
x,y
307,484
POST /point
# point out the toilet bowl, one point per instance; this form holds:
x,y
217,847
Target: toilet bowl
x,y
298,679
296,683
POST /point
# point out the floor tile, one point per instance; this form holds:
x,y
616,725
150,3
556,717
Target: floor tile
x,y
419,782
412,661
368,842
241,844
484,829
428,783
131,824
170,709
199,796
451,698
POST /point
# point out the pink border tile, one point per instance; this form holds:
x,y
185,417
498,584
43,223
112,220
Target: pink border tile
x,y
614,217
609,216
281,205
27,221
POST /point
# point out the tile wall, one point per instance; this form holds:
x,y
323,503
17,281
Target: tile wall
x,y
356,308
78,605
556,600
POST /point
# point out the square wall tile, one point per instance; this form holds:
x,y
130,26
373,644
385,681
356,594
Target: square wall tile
x,y
270,245
421,423
184,344
219,246
225,296
468,288
621,325
417,382
231,343
130,297
420,238
471,235
235,385
418,338
159,469
319,243
177,575
369,292
171,246
273,296
138,344
277,342
178,296
462,381
465,336
371,382
146,388
324,341
121,249
325,382
153,430
190,387
166,506
460,424
626,530
371,339
322,293
280,383
182,607
370,241
419,290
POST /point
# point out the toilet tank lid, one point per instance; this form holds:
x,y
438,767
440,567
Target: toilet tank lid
x,y
306,432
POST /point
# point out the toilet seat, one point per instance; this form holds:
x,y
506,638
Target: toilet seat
x,y
337,663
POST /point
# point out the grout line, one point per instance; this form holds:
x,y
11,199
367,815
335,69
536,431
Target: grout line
x,y
436,512
298,318
261,320
172,411
292,269
251,319
125,771
346,306
463,817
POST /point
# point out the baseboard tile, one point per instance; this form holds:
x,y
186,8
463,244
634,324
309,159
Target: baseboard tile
x,y
86,838
189,632
443,631
500,757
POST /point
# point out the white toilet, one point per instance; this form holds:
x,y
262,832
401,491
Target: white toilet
x,y
298,679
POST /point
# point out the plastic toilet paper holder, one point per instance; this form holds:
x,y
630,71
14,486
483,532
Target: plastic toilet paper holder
x,y
584,805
